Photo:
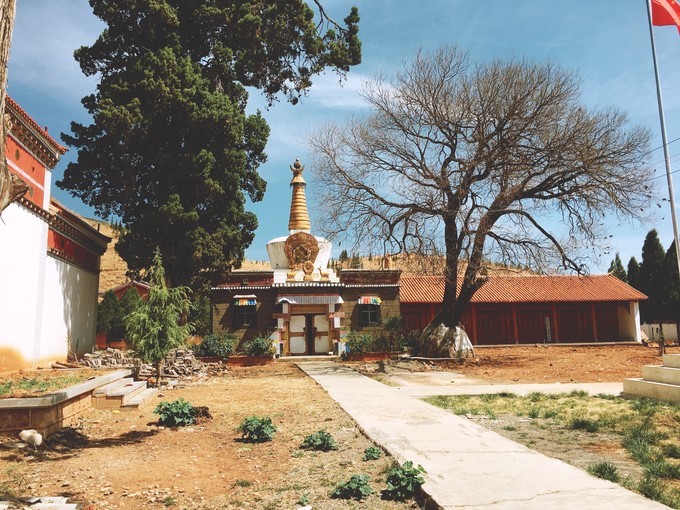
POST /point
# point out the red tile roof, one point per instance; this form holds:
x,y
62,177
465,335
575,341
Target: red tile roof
x,y
525,289
29,120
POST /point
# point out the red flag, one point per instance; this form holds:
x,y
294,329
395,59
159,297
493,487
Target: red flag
x,y
666,12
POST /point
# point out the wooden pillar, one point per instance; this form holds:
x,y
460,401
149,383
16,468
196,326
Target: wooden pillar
x,y
473,310
555,329
515,332
594,319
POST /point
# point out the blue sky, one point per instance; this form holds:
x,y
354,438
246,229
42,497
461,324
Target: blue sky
x,y
606,42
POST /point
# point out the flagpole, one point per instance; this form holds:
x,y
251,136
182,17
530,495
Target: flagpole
x,y
664,140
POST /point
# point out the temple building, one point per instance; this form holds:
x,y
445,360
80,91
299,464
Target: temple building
x,y
50,258
306,308
302,304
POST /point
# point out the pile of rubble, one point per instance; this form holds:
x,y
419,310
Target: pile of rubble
x,y
179,364
110,358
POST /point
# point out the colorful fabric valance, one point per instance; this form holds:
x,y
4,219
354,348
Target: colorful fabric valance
x,y
249,300
369,300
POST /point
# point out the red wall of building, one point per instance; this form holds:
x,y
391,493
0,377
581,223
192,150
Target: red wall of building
x,y
31,171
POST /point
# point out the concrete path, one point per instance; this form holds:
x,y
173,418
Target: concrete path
x,y
467,465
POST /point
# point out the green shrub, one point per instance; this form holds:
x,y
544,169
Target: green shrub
x,y
356,487
359,343
260,346
403,481
320,440
584,424
372,453
605,470
216,345
257,430
179,413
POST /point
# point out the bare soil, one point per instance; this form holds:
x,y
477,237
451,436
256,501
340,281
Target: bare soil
x,y
124,460
544,364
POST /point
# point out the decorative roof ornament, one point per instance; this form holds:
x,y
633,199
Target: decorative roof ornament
x,y
299,217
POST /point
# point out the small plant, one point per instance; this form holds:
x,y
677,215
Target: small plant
x,y
303,500
372,453
359,343
671,450
356,487
549,413
534,412
216,345
257,430
321,441
260,346
584,424
169,501
605,470
403,481
242,483
178,413
509,428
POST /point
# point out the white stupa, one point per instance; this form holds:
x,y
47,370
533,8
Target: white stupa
x,y
300,256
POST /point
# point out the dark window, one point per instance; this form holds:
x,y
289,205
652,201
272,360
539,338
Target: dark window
x,y
245,316
370,315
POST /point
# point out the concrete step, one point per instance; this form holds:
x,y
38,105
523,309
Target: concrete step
x,y
671,360
120,395
660,391
139,399
662,374
102,391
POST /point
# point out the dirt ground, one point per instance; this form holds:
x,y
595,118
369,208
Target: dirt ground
x,y
554,363
124,460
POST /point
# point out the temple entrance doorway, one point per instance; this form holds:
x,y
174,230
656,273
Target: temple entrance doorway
x,y
309,332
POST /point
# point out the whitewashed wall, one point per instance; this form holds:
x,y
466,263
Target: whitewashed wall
x,y
670,331
629,322
69,310
23,238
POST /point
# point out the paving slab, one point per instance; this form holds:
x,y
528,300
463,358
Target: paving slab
x,y
468,466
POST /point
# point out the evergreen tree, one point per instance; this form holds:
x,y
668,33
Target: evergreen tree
x,y
616,269
344,256
671,286
651,279
128,304
171,150
155,327
107,312
633,272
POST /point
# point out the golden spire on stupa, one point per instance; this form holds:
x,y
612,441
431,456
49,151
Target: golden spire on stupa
x,y
299,217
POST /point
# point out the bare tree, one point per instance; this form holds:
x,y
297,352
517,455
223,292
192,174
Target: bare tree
x,y
496,161
11,187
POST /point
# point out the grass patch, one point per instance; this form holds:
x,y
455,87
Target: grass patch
x,y
605,470
647,429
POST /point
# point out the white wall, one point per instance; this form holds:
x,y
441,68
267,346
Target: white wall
x,y
23,238
629,321
69,310
670,331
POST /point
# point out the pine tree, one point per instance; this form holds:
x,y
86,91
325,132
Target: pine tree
x,y
633,272
616,269
651,281
671,286
171,149
107,313
155,327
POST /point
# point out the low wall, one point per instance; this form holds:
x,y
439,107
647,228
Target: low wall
x,y
53,411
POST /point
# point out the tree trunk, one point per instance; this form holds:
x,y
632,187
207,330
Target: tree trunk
x,y
11,187
662,340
